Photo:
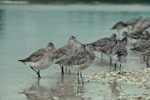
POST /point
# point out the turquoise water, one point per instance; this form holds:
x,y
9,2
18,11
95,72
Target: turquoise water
x,y
26,28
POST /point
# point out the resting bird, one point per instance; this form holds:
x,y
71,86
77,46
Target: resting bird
x,y
119,54
144,49
119,25
79,61
40,59
103,42
67,50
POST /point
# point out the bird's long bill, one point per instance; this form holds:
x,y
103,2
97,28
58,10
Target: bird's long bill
x,y
78,42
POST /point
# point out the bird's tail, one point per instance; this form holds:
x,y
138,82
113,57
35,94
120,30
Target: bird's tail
x,y
22,60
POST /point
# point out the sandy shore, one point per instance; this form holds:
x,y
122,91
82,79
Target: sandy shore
x,y
139,77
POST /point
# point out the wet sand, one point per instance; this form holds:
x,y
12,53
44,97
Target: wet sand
x,y
125,85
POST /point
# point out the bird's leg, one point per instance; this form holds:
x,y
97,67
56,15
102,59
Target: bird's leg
x,y
33,69
120,67
67,70
38,72
81,78
78,77
62,73
62,70
110,63
147,60
115,66
144,59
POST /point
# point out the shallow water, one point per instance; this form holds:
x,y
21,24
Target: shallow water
x,y
26,28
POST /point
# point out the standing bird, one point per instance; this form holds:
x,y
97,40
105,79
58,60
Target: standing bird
x,y
134,36
133,21
104,42
119,25
119,54
138,25
40,59
79,61
67,50
107,49
144,48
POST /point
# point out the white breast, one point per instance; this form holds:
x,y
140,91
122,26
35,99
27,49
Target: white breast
x,y
42,63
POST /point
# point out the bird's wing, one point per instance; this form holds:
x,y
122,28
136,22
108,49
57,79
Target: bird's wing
x,y
77,59
34,57
108,48
146,45
134,35
41,50
63,49
101,42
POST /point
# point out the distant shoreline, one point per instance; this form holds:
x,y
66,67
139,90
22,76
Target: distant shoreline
x,y
14,2
66,3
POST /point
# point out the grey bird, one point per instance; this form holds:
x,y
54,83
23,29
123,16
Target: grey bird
x,y
67,50
144,49
40,59
132,22
103,42
119,54
109,48
79,61
134,36
119,25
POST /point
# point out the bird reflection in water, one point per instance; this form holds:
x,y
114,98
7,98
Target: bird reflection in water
x,y
67,89
63,89
115,89
38,92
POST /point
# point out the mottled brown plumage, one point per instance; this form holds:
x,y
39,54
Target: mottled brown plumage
x,y
40,59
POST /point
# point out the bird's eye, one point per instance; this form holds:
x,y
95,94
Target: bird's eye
x,y
73,38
